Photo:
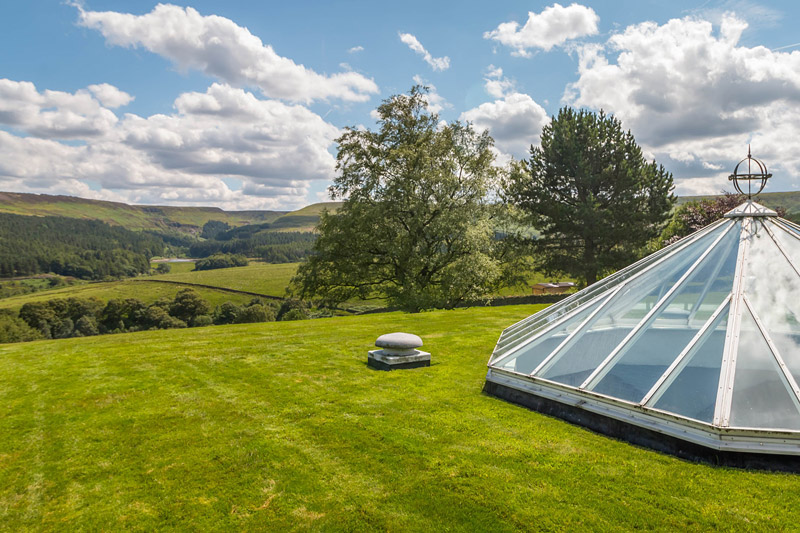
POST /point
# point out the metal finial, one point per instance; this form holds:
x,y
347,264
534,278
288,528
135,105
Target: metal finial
x,y
761,175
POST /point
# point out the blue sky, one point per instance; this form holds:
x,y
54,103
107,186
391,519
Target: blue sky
x,y
237,104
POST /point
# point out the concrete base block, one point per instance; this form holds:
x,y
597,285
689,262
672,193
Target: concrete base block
x,y
380,360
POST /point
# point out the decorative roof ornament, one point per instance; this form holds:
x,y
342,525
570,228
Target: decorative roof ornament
x,y
692,350
759,173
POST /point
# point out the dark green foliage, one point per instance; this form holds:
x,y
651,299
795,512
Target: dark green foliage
x,y
155,317
163,268
86,249
202,320
86,326
121,315
221,261
294,314
592,196
294,309
227,313
14,329
75,317
255,311
212,228
415,225
254,241
187,305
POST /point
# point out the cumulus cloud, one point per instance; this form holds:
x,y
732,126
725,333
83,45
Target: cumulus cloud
x,y
514,121
694,97
274,150
219,47
55,114
110,96
355,49
436,63
554,26
497,85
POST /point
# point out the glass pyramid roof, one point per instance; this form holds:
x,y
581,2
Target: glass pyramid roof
x,y
705,331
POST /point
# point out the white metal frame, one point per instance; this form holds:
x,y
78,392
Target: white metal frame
x,y
717,434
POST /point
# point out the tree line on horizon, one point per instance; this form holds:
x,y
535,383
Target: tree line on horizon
x,y
85,249
85,317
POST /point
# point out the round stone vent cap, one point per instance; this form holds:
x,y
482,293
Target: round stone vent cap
x,y
399,341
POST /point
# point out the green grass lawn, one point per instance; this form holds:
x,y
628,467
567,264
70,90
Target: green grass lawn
x,y
146,291
281,427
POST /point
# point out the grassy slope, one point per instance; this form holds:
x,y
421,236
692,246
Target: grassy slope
x,y
263,278
146,291
154,217
281,426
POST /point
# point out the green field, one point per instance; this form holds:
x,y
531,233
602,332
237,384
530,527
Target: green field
x,y
177,268
282,427
262,278
146,291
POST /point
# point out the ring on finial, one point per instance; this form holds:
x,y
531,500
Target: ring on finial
x,y
756,171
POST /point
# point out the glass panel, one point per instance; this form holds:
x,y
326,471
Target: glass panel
x,y
527,358
521,331
761,396
627,308
655,348
773,288
691,391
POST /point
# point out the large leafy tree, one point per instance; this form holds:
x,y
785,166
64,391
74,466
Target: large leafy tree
x,y
415,224
591,195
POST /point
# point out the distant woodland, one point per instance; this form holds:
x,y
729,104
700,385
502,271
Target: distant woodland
x,y
254,240
94,250
86,249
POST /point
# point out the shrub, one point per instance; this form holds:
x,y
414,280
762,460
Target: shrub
x,y
294,314
255,313
86,326
227,313
187,305
14,329
290,305
221,261
156,317
202,321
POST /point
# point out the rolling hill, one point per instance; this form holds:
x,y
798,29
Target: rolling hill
x,y
157,218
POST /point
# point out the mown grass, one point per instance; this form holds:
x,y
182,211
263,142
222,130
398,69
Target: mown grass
x,y
147,291
282,427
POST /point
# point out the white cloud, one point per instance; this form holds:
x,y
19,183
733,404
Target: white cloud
x,y
219,47
110,96
275,150
554,26
515,122
497,85
354,50
695,98
54,114
436,63
436,102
